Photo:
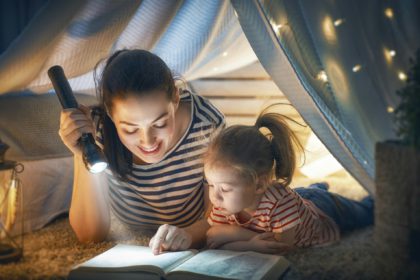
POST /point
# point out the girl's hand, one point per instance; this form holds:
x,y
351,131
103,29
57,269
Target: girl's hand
x,y
266,243
74,122
170,238
222,234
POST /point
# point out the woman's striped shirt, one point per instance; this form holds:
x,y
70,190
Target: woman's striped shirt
x,y
281,209
170,191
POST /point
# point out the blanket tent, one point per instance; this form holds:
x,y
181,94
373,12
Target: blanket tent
x,y
338,62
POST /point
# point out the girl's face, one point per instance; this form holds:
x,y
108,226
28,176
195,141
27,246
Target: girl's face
x,y
146,125
229,190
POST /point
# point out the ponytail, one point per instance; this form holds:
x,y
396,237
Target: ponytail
x,y
254,154
283,143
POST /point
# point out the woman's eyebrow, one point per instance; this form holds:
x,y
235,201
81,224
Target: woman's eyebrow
x,y
164,114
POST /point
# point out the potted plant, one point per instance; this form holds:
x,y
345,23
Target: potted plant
x,y
397,209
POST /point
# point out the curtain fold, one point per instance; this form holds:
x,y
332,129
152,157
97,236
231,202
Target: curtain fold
x,y
340,64
190,36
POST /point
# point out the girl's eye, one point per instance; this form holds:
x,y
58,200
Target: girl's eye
x,y
210,186
225,191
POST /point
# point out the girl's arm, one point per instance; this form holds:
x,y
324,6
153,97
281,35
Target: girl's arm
x,y
222,234
89,211
267,242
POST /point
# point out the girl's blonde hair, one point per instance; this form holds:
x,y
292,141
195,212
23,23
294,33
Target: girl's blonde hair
x,y
254,154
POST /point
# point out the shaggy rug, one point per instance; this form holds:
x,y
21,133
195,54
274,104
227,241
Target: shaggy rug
x,y
51,252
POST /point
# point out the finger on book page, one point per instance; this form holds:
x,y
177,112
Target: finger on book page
x,y
159,238
171,236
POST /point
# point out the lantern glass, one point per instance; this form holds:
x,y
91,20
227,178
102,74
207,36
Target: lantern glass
x,y
11,212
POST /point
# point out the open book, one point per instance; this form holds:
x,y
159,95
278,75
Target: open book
x,y
138,262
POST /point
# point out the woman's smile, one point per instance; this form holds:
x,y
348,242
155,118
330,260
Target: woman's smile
x,y
152,150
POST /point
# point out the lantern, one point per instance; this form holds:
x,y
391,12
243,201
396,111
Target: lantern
x,y
11,206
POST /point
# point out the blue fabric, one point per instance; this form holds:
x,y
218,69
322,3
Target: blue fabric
x,y
348,214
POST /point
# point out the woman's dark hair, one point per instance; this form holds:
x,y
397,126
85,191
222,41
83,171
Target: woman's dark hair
x,y
127,73
254,154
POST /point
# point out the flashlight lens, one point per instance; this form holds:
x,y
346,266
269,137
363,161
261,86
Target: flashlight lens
x,y
98,167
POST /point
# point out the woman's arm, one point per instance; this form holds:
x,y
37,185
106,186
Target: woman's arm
x,y
89,211
89,214
173,238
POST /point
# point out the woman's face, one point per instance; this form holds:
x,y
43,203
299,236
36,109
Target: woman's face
x,y
146,125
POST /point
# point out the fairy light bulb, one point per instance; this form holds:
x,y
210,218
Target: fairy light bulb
x,y
389,54
389,13
322,76
402,76
356,68
338,22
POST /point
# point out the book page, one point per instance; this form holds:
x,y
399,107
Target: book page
x,y
225,264
135,258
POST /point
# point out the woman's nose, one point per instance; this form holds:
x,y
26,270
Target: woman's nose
x,y
147,138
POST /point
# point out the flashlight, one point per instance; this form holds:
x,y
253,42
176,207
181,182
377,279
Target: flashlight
x,y
93,157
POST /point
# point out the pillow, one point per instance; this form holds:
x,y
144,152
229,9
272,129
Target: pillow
x,y
29,124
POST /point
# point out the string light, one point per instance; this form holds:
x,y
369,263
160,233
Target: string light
x,y
216,69
402,76
338,22
329,30
389,54
277,27
389,13
322,76
225,54
356,68
390,109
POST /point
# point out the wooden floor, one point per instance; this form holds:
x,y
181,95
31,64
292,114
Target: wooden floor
x,y
242,94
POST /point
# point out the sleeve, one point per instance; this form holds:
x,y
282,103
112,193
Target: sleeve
x,y
214,114
285,215
217,218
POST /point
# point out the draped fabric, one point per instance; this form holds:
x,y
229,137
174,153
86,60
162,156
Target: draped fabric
x,y
190,36
340,64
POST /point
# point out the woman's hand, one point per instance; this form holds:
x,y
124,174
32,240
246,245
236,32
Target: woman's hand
x,y
74,122
170,238
222,234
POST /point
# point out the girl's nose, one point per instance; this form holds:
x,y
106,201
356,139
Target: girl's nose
x,y
217,197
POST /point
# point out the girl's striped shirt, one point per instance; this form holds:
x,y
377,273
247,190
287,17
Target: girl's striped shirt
x,y
281,209
170,191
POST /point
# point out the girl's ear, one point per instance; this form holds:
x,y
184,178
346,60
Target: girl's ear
x,y
262,184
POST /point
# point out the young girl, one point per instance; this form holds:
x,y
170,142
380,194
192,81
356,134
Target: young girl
x,y
153,136
251,211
